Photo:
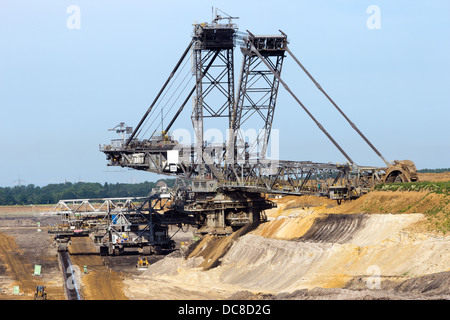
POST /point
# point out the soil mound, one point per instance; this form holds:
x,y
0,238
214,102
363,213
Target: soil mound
x,y
212,248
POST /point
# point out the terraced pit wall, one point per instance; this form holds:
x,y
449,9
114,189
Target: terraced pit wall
x,y
355,250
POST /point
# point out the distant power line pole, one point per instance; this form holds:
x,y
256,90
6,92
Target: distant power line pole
x,y
19,181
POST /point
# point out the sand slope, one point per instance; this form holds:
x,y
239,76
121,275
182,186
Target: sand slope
x,y
303,247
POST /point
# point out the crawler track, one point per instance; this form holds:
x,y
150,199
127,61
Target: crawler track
x,y
70,285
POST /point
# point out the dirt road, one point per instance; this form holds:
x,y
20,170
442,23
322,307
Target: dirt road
x,y
19,271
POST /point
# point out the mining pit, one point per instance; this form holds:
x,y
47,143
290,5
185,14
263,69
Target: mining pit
x,y
381,246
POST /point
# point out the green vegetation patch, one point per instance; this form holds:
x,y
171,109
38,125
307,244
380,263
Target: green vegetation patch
x,y
441,187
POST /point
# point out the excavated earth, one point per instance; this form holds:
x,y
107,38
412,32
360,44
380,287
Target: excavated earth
x,y
381,246
384,245
24,244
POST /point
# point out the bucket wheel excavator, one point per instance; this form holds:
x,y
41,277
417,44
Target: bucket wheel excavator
x,y
224,183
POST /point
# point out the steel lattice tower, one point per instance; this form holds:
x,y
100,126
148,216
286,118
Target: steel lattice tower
x,y
213,66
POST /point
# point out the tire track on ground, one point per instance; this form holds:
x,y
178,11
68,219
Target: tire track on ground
x,y
17,269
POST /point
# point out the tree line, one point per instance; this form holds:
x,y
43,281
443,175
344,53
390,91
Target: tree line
x,y
52,193
434,170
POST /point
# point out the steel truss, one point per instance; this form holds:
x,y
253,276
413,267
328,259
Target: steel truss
x,y
213,50
115,223
258,89
236,164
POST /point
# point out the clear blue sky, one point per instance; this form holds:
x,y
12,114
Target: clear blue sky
x,y
61,88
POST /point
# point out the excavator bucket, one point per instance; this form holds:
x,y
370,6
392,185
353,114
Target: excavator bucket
x,y
401,171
